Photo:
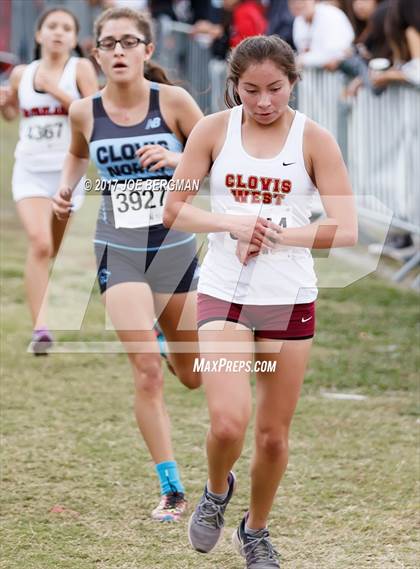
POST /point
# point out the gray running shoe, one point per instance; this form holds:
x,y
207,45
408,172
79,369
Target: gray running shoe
x,y
206,524
257,549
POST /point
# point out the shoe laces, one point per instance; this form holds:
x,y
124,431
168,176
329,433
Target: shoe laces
x,y
210,513
173,500
258,547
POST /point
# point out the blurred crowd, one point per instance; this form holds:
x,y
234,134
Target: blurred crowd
x,y
373,42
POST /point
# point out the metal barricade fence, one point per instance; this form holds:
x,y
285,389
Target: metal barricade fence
x,y
186,59
384,150
218,76
318,94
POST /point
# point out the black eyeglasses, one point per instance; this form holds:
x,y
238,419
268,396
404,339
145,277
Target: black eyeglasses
x,y
126,42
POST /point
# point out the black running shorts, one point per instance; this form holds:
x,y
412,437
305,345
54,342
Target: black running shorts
x,y
168,270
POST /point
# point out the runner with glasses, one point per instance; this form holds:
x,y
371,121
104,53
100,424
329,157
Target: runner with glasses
x,y
135,130
126,42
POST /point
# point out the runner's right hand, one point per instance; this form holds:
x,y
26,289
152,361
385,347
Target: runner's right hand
x,y
252,229
5,95
62,206
246,251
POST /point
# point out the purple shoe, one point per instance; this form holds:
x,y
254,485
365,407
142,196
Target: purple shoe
x,y
41,342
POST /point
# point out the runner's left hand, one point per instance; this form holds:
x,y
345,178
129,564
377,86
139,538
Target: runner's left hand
x,y
45,83
62,206
275,236
153,157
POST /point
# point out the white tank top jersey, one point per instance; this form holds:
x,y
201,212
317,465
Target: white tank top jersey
x,y
44,132
277,188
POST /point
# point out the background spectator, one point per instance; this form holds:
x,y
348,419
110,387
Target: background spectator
x,y
191,11
280,20
215,31
402,28
202,10
248,19
368,19
159,8
322,33
236,21
369,22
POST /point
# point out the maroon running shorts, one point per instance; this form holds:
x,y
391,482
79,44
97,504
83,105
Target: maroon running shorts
x,y
273,321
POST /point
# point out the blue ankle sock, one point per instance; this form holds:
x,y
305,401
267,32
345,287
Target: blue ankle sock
x,y
169,478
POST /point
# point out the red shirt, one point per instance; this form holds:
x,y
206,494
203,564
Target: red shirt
x,y
248,20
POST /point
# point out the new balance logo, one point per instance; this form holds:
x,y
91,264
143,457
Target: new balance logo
x,y
153,123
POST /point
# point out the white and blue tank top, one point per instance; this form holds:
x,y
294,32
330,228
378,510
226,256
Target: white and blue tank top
x,y
113,150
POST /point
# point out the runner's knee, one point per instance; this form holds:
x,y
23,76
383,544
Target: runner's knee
x,y
228,430
148,374
274,444
41,246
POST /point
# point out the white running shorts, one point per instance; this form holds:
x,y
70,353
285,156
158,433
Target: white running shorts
x,y
27,184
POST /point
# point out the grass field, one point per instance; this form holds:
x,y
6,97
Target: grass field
x,y
77,483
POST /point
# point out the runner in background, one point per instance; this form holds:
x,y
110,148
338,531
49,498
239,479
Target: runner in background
x,y
135,130
41,94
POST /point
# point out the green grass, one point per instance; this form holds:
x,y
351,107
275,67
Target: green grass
x,y
69,437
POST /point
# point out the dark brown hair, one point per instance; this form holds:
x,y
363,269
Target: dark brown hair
x,y
152,71
40,23
258,49
395,28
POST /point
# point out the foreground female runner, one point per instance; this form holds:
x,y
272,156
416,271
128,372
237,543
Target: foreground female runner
x,y
257,286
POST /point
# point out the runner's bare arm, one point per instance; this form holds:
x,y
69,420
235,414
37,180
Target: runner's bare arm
x,y
86,78
77,158
188,113
9,101
326,166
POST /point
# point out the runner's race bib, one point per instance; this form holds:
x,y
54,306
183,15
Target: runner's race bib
x,y
283,217
138,204
44,134
280,215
